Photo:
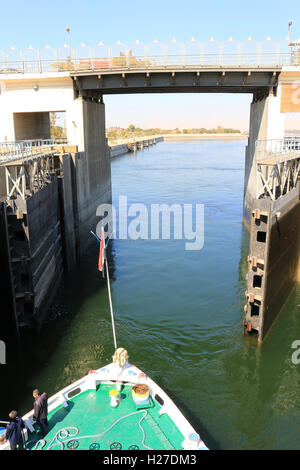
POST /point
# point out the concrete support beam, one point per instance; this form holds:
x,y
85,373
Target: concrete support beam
x,y
2,183
266,122
93,175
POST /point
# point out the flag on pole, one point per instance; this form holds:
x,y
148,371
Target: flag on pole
x,y
101,252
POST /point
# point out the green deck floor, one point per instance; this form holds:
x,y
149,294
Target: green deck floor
x,y
92,414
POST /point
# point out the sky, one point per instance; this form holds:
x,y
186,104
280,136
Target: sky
x,y
38,23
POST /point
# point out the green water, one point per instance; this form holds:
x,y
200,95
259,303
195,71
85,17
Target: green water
x,y
179,313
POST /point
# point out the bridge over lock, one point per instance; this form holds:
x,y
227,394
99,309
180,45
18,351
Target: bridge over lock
x,y
36,82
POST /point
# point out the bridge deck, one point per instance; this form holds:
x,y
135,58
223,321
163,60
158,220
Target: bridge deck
x,y
177,68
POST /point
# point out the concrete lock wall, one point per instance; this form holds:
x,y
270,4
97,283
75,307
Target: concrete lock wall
x,y
67,204
34,253
117,150
283,258
8,321
273,262
44,234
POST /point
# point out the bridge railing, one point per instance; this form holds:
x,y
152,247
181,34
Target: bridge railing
x,y
135,56
27,149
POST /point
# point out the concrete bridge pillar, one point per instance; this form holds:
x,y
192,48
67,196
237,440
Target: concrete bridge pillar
x,y
266,122
93,174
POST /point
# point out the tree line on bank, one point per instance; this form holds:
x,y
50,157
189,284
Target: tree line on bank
x,y
115,133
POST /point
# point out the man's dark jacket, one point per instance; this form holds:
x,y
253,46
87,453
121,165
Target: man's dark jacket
x,y
13,431
40,407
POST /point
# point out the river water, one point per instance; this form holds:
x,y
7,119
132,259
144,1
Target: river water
x,y
179,313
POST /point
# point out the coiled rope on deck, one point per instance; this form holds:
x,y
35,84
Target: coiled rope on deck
x,y
65,433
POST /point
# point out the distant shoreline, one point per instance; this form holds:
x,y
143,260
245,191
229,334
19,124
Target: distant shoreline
x,y
121,147
171,137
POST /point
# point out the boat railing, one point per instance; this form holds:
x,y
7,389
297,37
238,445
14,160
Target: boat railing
x,y
60,398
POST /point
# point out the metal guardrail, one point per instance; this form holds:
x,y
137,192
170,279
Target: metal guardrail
x,y
210,53
24,150
278,150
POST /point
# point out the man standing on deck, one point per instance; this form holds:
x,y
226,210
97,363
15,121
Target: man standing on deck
x,y
13,432
40,410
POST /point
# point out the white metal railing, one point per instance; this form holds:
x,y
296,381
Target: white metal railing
x,y
153,55
278,150
277,166
10,151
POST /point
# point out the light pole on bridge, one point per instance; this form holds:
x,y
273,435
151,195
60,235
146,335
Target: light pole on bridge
x,y
69,44
289,28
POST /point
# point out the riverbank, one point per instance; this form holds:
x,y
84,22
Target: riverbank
x,y
123,146
184,137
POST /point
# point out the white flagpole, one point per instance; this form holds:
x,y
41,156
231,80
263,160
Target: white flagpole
x,y
110,302
108,287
